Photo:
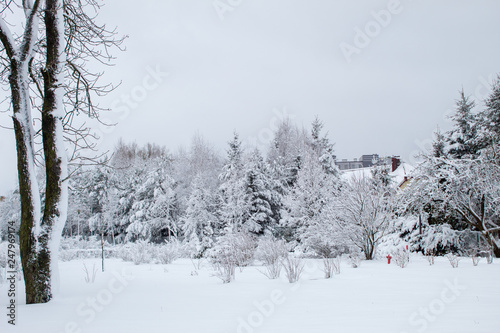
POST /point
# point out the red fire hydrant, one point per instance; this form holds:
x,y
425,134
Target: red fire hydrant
x,y
389,258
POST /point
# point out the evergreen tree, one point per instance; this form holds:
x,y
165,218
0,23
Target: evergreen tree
x,y
305,203
322,147
148,205
286,150
259,189
234,209
438,144
463,139
491,115
234,165
200,221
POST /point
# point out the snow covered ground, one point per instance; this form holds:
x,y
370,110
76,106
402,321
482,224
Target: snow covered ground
x,y
375,297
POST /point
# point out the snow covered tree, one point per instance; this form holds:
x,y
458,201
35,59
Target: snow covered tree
x,y
438,144
200,221
234,210
152,212
259,188
304,204
465,187
286,150
200,161
490,117
463,140
322,147
363,212
53,64
430,239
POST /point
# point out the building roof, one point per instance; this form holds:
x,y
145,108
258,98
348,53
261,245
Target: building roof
x,y
401,175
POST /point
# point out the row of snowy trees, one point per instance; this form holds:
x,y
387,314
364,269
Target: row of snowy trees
x,y
150,194
296,193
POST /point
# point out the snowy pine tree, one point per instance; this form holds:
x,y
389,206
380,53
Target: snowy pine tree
x,y
490,117
305,203
200,222
439,144
322,147
463,139
259,188
234,209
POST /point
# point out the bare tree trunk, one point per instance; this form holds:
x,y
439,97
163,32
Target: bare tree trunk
x,y
39,236
56,191
34,271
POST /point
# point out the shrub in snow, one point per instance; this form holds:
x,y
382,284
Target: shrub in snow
x,y
489,257
430,259
474,254
293,268
197,264
453,259
355,258
233,249
140,252
271,252
89,275
402,258
331,266
224,262
167,253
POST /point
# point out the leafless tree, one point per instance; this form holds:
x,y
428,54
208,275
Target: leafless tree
x,y
45,66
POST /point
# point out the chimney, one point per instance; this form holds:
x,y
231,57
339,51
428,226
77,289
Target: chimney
x,y
396,162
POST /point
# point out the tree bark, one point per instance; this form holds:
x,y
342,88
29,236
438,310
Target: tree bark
x,y
55,210
37,245
34,271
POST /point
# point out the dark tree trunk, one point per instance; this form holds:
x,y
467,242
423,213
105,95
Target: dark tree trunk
x,y
496,251
35,264
36,250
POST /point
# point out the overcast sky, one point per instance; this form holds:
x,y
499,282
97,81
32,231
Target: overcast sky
x,y
380,74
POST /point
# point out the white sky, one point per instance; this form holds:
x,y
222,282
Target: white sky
x,y
267,58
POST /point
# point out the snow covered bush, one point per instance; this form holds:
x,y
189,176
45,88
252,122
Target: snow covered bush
x,y
331,266
474,254
453,259
355,258
89,276
489,256
233,249
140,252
271,252
430,258
242,245
167,253
402,257
293,268
224,262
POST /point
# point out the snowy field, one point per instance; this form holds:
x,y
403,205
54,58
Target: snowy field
x,y
374,297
